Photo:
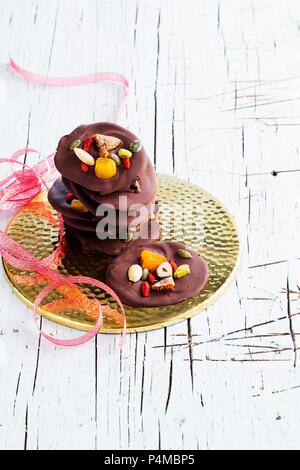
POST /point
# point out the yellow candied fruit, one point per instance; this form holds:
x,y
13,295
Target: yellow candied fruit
x,y
78,206
151,260
124,153
105,168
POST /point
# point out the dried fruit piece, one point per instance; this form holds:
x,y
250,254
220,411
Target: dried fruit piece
x,y
126,163
116,159
173,264
165,284
84,168
135,273
151,278
135,146
145,289
75,144
184,254
78,206
124,153
105,168
151,260
88,143
145,274
108,141
84,157
164,270
103,152
182,271
69,197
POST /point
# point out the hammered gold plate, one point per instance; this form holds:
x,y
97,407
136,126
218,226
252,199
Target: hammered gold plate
x,y
205,225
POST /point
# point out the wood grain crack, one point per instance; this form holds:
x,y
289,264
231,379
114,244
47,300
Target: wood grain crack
x,y
291,322
170,382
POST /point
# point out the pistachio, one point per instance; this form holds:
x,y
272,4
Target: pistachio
x,y
182,271
164,270
135,273
78,206
135,146
124,153
75,144
116,159
165,284
84,157
145,274
184,254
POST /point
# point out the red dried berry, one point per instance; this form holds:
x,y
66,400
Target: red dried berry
x,y
69,197
88,143
151,278
173,264
84,168
145,289
126,163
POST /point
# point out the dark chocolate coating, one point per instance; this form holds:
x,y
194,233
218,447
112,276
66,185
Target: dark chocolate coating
x,y
186,287
87,221
69,165
90,242
92,199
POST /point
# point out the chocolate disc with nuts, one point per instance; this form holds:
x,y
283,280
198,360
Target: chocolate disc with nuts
x,y
165,291
108,134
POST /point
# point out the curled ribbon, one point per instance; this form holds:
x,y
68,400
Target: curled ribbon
x,y
22,186
111,77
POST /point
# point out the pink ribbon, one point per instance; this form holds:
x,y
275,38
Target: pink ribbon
x,y
111,77
22,186
17,256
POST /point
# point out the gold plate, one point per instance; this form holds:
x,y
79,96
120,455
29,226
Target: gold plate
x,y
206,226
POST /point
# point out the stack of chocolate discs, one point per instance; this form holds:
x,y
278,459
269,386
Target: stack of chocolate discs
x,y
107,189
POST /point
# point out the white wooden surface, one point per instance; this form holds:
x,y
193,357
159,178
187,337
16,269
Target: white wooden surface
x,y
215,98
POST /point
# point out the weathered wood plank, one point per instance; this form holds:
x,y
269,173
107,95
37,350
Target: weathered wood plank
x,y
214,96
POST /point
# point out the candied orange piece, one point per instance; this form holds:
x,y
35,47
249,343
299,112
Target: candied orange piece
x,y
151,260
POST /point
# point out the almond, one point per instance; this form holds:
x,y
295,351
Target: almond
x,y
84,157
135,273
